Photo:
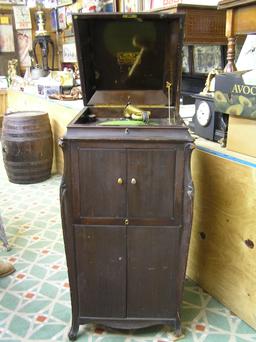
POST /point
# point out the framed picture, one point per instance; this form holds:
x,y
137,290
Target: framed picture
x,y
54,20
185,59
69,53
62,23
12,2
24,38
50,3
63,2
22,17
206,58
69,16
8,40
109,6
159,4
146,7
130,6
3,82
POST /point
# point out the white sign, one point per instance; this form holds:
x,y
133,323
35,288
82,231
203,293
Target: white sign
x,y
155,4
247,56
69,53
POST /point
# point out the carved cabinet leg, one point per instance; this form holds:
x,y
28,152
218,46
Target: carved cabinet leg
x,y
72,335
178,330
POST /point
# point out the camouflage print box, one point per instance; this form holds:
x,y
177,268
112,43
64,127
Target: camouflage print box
x,y
235,93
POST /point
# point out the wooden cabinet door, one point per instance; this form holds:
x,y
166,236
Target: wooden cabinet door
x,y
152,262
153,187
101,270
102,186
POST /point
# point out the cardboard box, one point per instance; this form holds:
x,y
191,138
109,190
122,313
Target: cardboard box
x,y
242,136
235,93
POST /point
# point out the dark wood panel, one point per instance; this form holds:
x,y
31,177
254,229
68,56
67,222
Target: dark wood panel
x,y
203,24
152,264
101,267
100,193
128,323
152,197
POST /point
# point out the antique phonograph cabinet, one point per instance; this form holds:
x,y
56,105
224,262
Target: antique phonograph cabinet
x,y
126,194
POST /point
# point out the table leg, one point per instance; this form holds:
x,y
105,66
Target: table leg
x,y
230,67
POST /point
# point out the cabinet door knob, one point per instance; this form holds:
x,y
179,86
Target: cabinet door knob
x,y
120,181
133,181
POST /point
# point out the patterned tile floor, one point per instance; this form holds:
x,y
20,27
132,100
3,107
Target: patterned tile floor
x,y
35,302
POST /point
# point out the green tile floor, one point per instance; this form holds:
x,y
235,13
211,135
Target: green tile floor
x,y
35,301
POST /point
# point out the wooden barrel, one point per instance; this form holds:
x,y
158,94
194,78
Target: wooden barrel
x,y
27,146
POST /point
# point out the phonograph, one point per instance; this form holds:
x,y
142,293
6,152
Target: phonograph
x,y
126,195
45,43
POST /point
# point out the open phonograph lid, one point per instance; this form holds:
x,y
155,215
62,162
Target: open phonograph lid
x,y
129,57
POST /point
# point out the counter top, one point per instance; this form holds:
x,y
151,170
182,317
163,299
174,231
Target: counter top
x,y
222,152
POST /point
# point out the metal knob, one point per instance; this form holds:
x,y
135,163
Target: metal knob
x,y
120,181
126,221
133,181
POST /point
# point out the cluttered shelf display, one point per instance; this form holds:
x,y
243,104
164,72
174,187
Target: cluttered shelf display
x,y
8,41
227,94
126,194
204,42
40,38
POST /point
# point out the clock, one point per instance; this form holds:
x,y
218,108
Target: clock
x,y
203,113
207,123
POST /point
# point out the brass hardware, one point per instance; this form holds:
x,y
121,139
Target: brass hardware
x,y
136,113
136,43
129,16
168,86
133,181
120,181
126,58
126,221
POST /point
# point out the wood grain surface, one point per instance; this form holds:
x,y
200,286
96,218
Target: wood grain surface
x,y
3,104
222,257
